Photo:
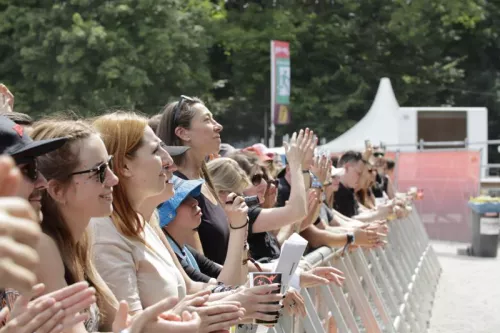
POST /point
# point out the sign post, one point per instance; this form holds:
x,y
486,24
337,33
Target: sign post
x,y
280,86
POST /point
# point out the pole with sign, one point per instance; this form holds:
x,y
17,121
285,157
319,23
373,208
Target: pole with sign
x,y
280,86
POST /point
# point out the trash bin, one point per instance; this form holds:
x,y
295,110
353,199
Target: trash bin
x,y
485,224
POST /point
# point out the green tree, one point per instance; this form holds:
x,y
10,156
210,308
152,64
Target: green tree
x,y
91,56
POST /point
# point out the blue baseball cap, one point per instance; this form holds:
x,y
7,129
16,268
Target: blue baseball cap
x,y
183,188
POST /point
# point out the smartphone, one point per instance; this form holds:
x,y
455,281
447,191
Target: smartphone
x,y
368,144
252,201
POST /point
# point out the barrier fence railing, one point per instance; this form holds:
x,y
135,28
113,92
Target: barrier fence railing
x,y
388,289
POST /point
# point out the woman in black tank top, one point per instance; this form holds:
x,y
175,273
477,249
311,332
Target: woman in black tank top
x,y
189,123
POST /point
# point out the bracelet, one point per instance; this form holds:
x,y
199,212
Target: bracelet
x,y
350,238
236,228
306,171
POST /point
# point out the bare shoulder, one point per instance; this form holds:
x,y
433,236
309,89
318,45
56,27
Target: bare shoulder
x,y
51,268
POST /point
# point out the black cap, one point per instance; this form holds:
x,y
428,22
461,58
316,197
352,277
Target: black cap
x,y
15,142
176,150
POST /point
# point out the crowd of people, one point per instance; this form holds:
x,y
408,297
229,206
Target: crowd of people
x,y
124,223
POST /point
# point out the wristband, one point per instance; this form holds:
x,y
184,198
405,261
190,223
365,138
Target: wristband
x,y
306,171
236,228
350,238
124,331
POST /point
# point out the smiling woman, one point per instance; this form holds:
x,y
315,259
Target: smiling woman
x,y
128,252
79,187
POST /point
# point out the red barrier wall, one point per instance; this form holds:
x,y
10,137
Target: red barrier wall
x,y
448,180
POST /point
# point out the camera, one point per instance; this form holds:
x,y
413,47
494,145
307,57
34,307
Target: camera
x,y
252,201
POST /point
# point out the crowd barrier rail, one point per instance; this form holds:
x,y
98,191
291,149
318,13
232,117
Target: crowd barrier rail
x,y
388,289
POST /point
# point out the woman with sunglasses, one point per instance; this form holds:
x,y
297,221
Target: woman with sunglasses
x,y
263,244
229,177
189,123
80,187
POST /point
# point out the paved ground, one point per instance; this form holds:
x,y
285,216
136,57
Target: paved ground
x,y
468,296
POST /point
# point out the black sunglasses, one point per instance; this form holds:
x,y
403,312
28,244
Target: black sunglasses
x,y
378,154
178,107
257,179
30,170
99,170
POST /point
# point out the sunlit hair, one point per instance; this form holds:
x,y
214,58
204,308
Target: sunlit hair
x,y
227,175
122,133
57,165
166,132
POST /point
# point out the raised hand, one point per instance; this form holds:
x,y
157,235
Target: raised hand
x,y
321,168
311,144
295,149
6,99
19,234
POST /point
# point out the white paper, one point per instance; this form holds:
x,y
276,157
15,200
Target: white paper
x,y
291,253
489,226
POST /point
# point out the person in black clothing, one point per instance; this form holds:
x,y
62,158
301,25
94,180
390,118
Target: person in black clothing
x,y
344,199
188,122
264,245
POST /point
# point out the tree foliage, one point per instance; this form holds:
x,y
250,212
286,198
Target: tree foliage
x,y
95,55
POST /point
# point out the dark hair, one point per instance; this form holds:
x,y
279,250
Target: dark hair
x,y
335,160
349,156
390,164
18,118
249,162
154,122
166,132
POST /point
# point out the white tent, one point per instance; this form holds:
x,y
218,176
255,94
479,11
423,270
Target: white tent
x,y
380,124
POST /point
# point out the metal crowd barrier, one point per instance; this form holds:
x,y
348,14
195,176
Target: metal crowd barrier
x,y
386,290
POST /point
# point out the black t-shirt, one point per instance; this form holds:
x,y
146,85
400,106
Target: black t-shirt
x,y
345,201
262,244
283,192
380,186
207,270
213,230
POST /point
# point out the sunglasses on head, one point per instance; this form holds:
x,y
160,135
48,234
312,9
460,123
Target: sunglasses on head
x,y
30,170
99,170
178,107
